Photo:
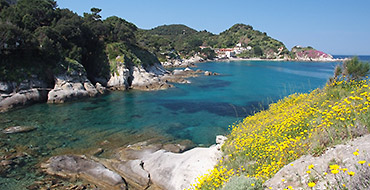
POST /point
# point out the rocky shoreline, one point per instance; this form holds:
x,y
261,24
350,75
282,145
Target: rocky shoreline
x,y
75,85
138,166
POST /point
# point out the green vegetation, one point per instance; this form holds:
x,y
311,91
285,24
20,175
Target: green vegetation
x,y
353,69
243,183
263,45
37,37
173,41
300,124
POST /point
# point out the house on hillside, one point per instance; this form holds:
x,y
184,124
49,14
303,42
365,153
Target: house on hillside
x,y
225,52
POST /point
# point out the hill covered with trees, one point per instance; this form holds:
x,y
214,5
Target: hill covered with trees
x,y
180,40
38,38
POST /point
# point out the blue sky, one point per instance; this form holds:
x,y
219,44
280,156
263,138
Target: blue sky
x,y
333,26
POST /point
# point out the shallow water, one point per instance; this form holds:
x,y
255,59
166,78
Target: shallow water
x,y
198,112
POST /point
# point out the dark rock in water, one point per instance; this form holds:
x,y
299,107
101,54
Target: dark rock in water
x,y
89,108
18,129
136,116
73,166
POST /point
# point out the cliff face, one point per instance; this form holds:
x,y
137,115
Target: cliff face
x,y
309,54
29,91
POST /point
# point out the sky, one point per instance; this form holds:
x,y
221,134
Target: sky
x,y
338,27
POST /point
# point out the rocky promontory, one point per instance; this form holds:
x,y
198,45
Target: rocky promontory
x,y
310,54
178,62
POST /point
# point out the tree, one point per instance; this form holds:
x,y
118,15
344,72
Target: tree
x,y
257,51
30,14
120,30
354,69
3,5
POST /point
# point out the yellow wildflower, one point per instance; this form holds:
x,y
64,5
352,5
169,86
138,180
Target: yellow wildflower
x,y
362,162
334,167
334,171
311,184
351,173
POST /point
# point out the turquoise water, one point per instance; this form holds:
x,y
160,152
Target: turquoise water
x,y
198,111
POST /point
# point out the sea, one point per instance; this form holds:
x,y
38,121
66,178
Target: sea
x,y
364,58
194,112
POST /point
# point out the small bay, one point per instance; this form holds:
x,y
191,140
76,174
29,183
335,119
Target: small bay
x,y
198,111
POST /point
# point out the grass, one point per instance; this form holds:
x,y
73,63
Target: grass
x,y
297,125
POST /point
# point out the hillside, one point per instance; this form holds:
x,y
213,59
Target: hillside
x,y
179,41
260,43
172,41
38,37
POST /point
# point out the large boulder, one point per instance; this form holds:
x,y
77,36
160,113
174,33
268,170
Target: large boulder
x,y
165,170
68,87
74,166
22,98
27,92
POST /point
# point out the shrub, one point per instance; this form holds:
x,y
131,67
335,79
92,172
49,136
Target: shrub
x,y
354,69
243,183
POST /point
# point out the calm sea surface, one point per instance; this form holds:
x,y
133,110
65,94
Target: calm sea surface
x,y
365,58
198,112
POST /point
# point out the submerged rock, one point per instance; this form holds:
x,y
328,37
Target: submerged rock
x,y
18,129
73,166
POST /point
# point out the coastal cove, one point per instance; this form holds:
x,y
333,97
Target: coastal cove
x,y
195,112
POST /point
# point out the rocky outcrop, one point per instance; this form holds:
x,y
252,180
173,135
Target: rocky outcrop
x,y
139,166
144,77
20,94
70,87
166,170
181,75
119,79
73,84
73,166
310,54
295,174
183,62
149,78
